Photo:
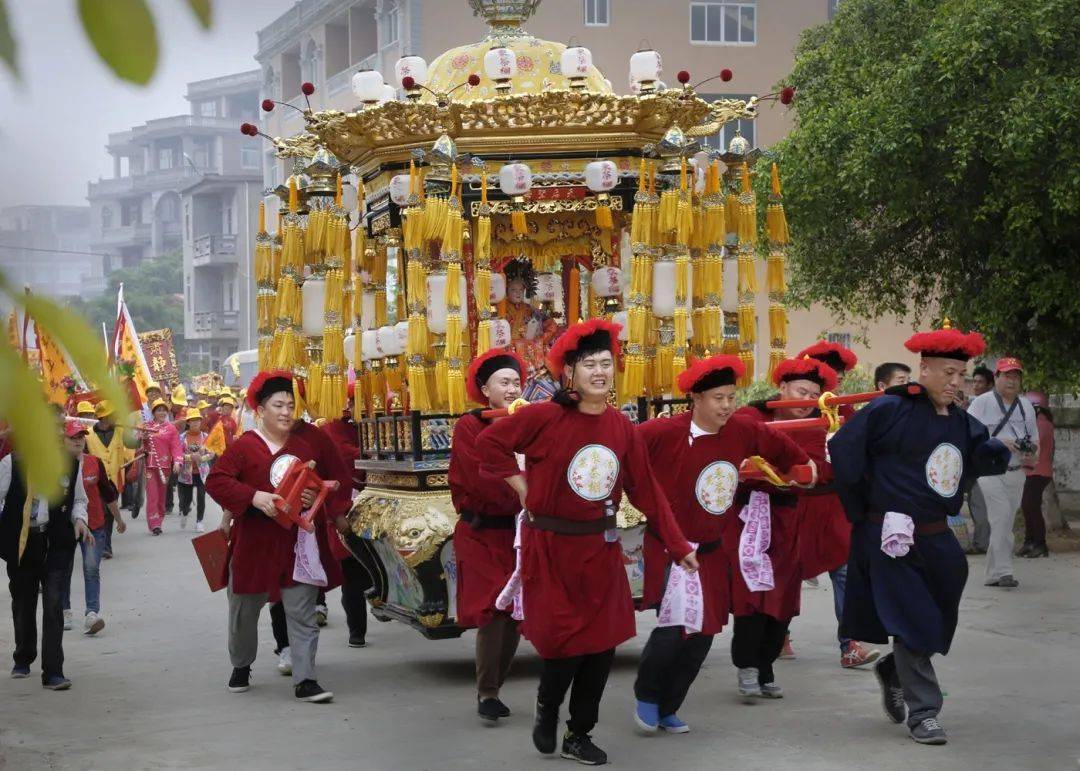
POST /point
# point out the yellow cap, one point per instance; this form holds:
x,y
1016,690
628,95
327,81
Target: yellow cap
x,y
227,400
158,403
193,414
84,407
179,394
153,385
104,409
202,405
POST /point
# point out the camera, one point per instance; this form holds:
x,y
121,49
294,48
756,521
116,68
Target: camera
x,y
1025,446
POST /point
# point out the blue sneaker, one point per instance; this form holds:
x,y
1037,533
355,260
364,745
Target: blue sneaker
x,y
673,725
647,717
56,683
18,672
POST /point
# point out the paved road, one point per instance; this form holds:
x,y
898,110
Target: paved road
x,y
149,691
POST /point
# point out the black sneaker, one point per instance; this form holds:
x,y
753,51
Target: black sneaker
x,y
491,709
892,695
309,690
357,642
156,531
545,724
929,731
579,747
240,680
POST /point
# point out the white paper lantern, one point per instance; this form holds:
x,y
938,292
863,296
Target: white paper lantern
x,y
500,63
500,333
367,310
620,318
645,66
498,288
389,93
575,62
414,67
607,282
663,293
635,87
548,287
729,300
601,176
313,298
399,189
369,345
387,340
401,331
515,179
350,349
436,302
367,85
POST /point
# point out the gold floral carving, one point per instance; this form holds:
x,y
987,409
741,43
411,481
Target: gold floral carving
x,y
548,207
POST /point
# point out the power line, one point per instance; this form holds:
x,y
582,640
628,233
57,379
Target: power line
x,y
54,251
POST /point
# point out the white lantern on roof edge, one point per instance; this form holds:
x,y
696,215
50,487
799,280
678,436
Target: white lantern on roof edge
x,y
414,67
515,179
313,303
399,189
367,85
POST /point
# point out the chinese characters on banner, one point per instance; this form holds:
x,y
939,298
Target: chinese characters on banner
x,y
160,355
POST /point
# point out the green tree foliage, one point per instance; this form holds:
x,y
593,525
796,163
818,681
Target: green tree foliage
x,y
153,291
935,167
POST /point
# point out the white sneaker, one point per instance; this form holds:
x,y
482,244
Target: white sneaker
x,y
321,614
200,527
183,521
748,682
93,623
284,664
67,620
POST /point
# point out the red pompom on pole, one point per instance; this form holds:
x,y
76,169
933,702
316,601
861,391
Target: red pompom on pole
x,y
726,75
408,82
474,80
268,105
787,95
683,76
307,89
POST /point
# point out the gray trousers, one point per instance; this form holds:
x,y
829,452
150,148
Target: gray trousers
x,y
299,604
922,694
980,534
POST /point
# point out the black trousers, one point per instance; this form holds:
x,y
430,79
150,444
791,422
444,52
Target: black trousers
x,y
44,569
668,666
170,487
757,642
132,496
353,596
585,677
277,623
186,491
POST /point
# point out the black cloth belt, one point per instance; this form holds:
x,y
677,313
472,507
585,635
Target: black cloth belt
x,y
775,499
487,522
572,526
709,546
825,489
921,528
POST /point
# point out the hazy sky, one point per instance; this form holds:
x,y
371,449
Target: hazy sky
x,y
55,121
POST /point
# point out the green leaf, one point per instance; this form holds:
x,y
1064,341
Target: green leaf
x,y
201,9
34,427
7,42
123,34
75,336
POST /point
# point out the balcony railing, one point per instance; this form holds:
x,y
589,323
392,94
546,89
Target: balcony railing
x,y
217,322
214,249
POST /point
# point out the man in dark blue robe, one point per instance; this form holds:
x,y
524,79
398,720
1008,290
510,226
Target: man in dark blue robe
x,y
912,452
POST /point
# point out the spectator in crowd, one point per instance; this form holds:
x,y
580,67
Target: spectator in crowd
x,y
891,373
1039,475
1010,417
982,380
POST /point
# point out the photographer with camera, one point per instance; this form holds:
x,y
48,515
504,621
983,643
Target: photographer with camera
x,y
1010,417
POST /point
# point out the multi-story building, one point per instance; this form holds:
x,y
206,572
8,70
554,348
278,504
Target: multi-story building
x,y
326,41
192,183
47,248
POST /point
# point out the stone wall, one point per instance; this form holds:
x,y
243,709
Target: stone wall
x,y
1066,411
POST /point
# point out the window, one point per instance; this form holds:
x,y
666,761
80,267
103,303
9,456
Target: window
x,y
390,26
723,23
106,218
597,13
722,139
165,158
208,109
842,338
250,157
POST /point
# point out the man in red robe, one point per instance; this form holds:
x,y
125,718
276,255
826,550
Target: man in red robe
x,y
356,580
824,531
484,535
267,561
763,612
703,448
580,454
